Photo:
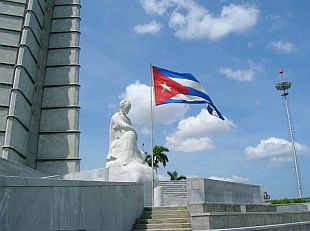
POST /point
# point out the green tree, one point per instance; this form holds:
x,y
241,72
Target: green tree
x,y
174,176
160,157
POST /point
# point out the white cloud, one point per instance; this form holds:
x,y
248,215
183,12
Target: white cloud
x,y
190,20
158,7
193,133
241,75
275,150
139,96
282,47
200,144
149,28
233,178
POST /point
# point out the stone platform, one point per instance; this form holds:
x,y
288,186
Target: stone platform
x,y
28,204
246,221
8,168
120,174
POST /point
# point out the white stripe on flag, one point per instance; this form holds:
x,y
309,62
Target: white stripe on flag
x,y
189,83
188,98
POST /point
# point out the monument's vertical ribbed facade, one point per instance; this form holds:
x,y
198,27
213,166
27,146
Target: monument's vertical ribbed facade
x,y
39,83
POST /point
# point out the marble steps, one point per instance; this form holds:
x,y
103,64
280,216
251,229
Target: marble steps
x,y
163,229
174,188
179,184
173,185
182,213
166,208
182,185
162,226
172,182
164,218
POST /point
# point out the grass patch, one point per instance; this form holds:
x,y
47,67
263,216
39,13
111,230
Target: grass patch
x,y
290,201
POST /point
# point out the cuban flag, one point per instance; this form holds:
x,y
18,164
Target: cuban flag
x,y
213,111
174,87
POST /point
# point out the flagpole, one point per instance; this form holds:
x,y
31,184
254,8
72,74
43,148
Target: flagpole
x,y
152,131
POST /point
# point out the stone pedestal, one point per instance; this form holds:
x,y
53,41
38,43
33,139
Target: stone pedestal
x,y
135,173
158,196
128,173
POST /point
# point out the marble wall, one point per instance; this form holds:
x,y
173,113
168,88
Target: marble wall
x,y
28,204
39,84
202,190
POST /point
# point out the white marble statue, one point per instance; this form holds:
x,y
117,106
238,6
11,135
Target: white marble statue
x,y
123,148
125,162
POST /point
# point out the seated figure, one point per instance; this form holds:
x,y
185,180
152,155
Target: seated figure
x,y
123,148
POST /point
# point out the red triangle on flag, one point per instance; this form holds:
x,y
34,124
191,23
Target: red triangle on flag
x,y
165,88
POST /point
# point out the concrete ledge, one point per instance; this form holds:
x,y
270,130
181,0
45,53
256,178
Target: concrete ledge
x,y
229,207
296,226
205,221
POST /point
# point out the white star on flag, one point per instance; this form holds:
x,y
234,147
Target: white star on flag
x,y
165,87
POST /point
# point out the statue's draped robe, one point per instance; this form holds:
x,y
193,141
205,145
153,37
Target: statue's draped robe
x,y
123,142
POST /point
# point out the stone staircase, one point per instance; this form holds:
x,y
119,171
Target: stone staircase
x,y
175,192
164,218
174,188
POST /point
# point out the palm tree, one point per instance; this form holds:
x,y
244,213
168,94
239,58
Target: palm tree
x,y
159,157
174,176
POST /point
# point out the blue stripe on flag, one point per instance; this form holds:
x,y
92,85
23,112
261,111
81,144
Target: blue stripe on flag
x,y
194,92
213,111
173,74
183,101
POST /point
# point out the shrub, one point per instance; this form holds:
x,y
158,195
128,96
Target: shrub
x,y
290,201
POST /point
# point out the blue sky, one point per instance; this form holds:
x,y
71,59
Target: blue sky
x,y
235,49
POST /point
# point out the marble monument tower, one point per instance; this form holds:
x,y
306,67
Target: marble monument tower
x,y
39,84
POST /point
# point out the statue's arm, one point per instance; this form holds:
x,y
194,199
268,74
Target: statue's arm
x,y
120,124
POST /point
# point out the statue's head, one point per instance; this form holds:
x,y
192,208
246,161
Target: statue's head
x,y
125,106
